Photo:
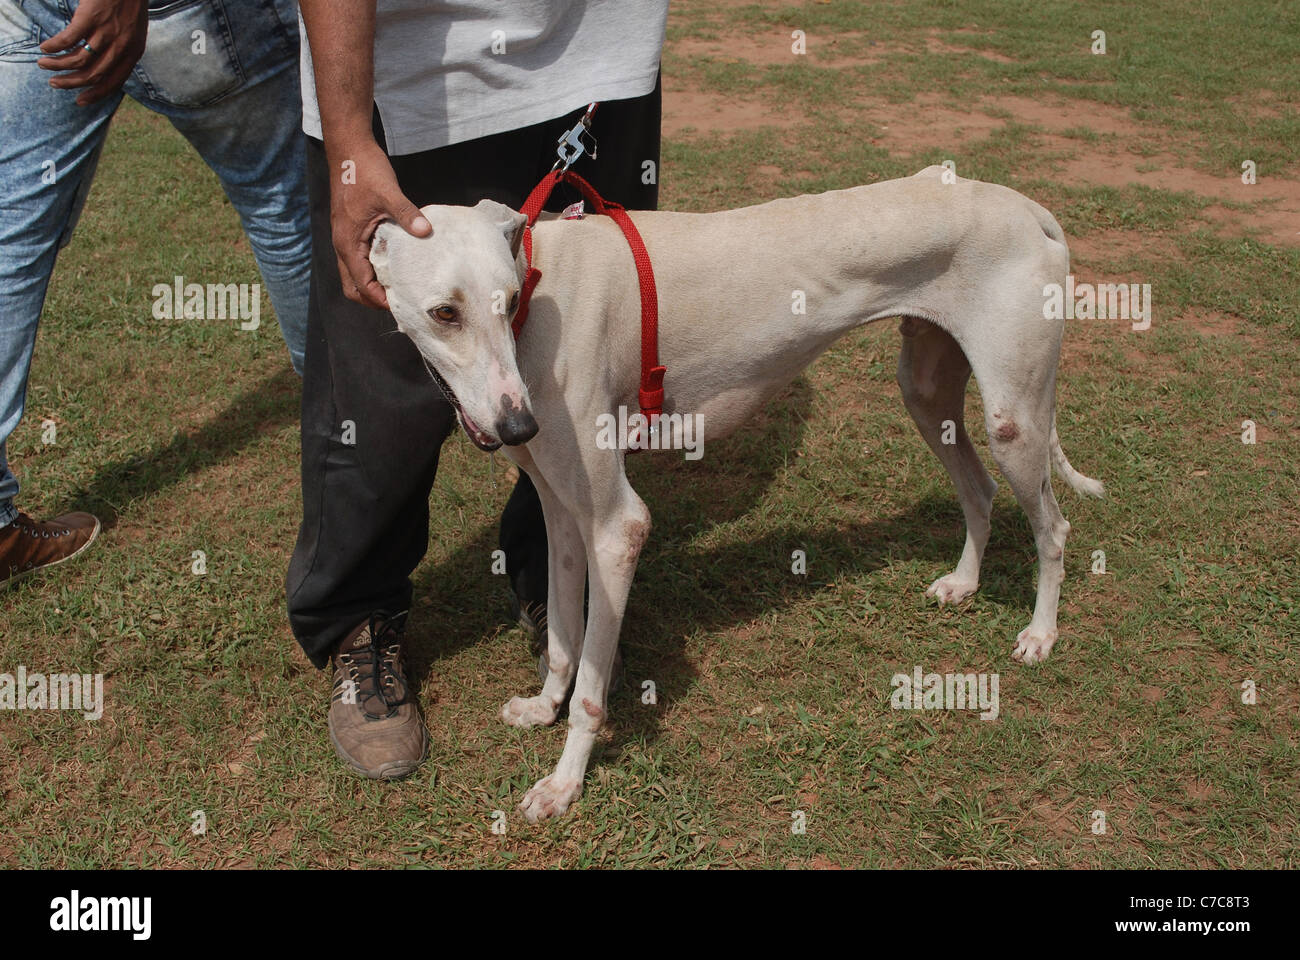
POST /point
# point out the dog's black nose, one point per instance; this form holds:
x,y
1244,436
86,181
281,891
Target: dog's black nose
x,y
517,425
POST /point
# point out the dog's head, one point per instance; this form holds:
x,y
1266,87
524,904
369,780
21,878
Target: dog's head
x,y
454,293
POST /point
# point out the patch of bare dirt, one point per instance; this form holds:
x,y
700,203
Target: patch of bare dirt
x,y
1061,821
714,114
1263,103
929,123
1060,115
1274,204
823,863
775,46
1125,152
1116,245
934,45
1278,222
1211,323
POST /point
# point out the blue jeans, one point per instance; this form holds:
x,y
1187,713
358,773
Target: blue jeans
x,y
238,103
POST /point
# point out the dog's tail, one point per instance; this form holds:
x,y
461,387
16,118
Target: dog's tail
x,y
1081,484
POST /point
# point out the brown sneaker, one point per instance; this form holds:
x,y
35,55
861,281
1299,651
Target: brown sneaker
x,y
375,723
532,617
26,545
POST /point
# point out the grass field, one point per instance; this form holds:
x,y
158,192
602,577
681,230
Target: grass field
x,y
773,689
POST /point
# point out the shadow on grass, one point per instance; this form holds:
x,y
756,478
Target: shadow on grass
x,y
679,590
746,580
271,404
456,605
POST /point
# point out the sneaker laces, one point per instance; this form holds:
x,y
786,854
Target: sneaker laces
x,y
376,668
535,613
32,528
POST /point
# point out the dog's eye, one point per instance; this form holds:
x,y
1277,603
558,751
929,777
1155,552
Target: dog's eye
x,y
444,314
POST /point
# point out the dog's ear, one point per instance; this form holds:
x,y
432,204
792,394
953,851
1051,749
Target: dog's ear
x,y
509,222
379,250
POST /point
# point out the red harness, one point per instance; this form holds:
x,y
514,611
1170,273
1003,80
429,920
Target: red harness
x,y
651,394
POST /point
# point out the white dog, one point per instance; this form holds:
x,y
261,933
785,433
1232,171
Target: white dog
x,y
963,263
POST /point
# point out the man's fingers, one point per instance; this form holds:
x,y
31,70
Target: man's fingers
x,y
98,92
86,67
90,55
345,281
372,295
367,294
71,61
358,279
99,89
71,35
92,74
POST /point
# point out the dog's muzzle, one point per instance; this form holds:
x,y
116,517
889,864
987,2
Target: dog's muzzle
x,y
477,435
516,424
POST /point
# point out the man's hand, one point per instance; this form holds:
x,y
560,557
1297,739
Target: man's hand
x,y
357,208
106,38
363,187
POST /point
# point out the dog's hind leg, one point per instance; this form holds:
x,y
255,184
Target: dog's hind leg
x,y
614,534
567,571
933,373
1019,404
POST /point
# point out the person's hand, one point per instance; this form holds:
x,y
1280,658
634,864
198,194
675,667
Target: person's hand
x,y
106,38
363,194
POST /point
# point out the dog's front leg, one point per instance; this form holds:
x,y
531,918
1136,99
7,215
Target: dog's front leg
x,y
613,545
566,575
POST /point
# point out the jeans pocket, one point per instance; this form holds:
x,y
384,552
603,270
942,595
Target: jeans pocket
x,y
189,60
17,29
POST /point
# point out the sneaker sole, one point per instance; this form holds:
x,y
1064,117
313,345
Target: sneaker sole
x,y
94,535
522,617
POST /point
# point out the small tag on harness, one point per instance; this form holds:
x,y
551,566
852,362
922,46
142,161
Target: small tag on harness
x,y
574,211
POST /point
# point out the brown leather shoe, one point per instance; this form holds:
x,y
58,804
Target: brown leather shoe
x,y
26,545
375,723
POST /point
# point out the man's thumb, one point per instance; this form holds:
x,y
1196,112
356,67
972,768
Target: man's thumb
x,y
412,220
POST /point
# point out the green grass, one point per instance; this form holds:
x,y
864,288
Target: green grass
x,y
773,689
1195,67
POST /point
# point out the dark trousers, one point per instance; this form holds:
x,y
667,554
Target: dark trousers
x,y
365,523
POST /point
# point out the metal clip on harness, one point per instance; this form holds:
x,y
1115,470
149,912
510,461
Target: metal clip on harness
x,y
571,144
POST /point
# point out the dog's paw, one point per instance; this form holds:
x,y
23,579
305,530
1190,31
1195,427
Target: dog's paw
x,y
550,797
1033,646
951,588
536,711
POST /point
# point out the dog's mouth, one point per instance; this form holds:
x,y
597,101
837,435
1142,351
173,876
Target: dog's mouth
x,y
477,435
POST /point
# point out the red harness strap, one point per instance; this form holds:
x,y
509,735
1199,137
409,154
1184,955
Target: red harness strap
x,y
651,394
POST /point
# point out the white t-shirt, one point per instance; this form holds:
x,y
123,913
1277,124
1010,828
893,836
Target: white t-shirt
x,y
447,71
